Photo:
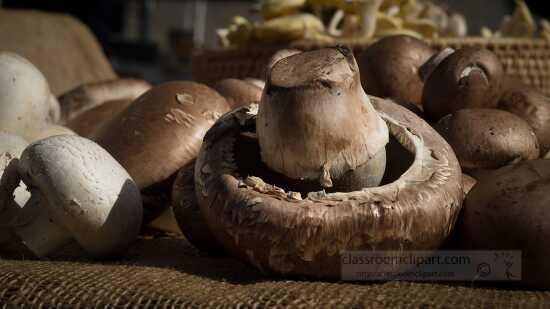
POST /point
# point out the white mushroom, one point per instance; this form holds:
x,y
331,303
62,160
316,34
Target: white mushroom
x,y
78,191
27,106
24,95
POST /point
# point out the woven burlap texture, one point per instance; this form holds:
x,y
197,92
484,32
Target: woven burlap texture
x,y
169,273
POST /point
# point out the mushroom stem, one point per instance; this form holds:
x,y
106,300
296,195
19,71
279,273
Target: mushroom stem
x,y
315,121
31,223
368,10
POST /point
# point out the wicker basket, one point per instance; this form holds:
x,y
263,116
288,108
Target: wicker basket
x,y
524,59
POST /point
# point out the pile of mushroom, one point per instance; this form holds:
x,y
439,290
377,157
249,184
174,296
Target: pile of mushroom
x,y
294,20
328,154
289,184
495,125
61,187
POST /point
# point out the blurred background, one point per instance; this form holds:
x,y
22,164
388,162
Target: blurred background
x,y
153,39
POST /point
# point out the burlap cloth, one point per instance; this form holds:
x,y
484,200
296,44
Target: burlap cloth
x,y
168,272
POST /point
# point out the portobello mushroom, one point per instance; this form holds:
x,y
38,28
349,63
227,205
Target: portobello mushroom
x,y
256,213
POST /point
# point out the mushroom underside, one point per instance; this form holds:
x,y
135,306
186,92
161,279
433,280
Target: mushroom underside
x,y
287,233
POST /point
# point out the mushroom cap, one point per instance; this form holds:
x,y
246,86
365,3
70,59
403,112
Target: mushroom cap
x,y
87,123
24,95
389,68
508,210
533,107
470,77
488,138
88,96
162,130
279,232
429,66
238,92
188,213
87,192
316,122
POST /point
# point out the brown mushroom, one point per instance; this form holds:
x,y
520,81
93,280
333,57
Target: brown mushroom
x,y
256,216
305,127
533,107
389,68
238,92
508,210
188,215
87,123
159,133
488,138
88,96
470,77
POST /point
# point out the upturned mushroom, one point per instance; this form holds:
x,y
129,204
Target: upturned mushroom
x,y
389,68
78,192
27,107
488,138
508,210
470,77
238,92
159,133
255,213
532,106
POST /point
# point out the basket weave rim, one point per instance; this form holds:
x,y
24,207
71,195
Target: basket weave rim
x,y
473,40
